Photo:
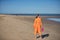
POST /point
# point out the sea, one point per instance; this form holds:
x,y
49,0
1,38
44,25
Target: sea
x,y
52,19
36,14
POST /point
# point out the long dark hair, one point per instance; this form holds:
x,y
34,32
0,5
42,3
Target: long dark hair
x,y
37,15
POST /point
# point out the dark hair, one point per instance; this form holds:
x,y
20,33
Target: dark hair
x,y
37,15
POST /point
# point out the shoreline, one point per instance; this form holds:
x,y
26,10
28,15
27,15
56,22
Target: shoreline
x,y
21,27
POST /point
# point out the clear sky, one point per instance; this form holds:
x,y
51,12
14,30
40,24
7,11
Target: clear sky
x,y
30,6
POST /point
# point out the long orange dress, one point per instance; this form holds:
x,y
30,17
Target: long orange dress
x,y
37,26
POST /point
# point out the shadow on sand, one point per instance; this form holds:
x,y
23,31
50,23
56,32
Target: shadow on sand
x,y
43,36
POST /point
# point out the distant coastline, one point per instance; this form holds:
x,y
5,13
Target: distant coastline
x,y
34,14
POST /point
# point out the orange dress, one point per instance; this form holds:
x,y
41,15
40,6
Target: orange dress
x,y
37,26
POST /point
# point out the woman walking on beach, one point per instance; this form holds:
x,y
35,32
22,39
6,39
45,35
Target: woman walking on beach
x,y
37,26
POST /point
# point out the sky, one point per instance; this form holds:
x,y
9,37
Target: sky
x,y
30,6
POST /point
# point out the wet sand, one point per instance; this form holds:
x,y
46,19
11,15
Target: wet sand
x,y
21,28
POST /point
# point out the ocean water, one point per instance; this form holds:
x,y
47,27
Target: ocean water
x,y
35,14
54,19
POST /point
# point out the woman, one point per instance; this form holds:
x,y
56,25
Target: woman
x,y
37,26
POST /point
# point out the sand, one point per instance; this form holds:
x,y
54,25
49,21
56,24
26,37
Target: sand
x,y
21,28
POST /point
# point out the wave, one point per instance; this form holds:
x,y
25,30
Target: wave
x,y
54,19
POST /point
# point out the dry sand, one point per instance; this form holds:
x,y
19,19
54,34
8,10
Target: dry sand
x,y
21,28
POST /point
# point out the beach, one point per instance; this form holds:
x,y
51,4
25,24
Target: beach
x,y
21,27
